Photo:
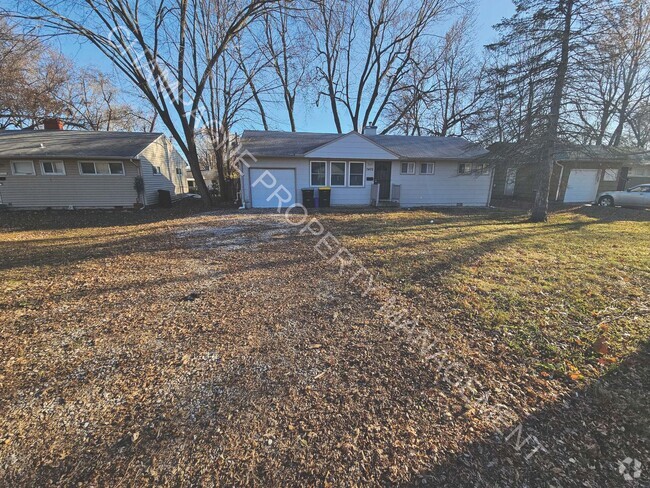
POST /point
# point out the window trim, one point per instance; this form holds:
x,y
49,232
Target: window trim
x,y
407,168
433,171
345,173
43,161
639,171
13,170
311,173
363,174
614,178
465,173
123,173
485,169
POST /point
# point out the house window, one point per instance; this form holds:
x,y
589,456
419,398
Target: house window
x,y
407,169
52,168
318,173
23,168
427,168
357,171
337,173
100,168
179,171
465,168
157,170
610,175
482,168
639,171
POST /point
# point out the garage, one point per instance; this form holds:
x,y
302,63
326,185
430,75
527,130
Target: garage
x,y
582,186
272,186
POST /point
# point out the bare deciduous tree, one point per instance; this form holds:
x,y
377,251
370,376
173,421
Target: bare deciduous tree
x,y
366,49
157,46
31,76
284,43
93,102
443,95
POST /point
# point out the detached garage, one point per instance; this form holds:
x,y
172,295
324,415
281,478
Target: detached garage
x,y
580,172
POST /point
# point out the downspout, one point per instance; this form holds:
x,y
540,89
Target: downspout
x,y
242,186
139,167
559,181
489,199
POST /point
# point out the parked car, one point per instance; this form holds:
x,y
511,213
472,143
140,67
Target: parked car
x,y
637,196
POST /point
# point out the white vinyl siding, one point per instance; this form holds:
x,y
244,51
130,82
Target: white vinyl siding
x,y
341,195
23,168
161,154
72,189
350,146
444,188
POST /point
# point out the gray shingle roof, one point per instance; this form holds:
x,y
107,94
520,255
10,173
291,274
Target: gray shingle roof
x,y
296,144
276,143
565,151
424,147
73,144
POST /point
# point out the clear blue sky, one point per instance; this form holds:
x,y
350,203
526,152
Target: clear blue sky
x,y
488,13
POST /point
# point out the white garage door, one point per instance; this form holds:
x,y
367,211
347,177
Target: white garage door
x,y
273,186
582,186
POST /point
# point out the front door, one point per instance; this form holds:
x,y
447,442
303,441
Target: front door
x,y
511,180
622,178
382,176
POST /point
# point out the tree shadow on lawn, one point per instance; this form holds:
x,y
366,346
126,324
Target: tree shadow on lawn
x,y
66,250
577,441
608,214
467,246
36,220
51,252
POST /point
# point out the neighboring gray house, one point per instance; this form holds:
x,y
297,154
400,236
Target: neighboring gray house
x,y
580,172
63,169
365,169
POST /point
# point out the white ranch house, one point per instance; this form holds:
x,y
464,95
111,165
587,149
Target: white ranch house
x,y
78,169
366,169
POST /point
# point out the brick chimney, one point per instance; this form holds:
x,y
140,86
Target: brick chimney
x,y
53,124
370,130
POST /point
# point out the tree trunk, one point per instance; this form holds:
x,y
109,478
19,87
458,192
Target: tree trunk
x,y
540,206
220,150
193,160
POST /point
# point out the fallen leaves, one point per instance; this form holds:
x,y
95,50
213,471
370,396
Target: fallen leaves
x,y
220,349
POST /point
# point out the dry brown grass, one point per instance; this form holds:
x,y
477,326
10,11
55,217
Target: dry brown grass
x,y
160,348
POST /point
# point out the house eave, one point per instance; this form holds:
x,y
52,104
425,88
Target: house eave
x,y
69,156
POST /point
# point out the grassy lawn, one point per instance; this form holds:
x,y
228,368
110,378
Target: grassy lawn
x,y
180,348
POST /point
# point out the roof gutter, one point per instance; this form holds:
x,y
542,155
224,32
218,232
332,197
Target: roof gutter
x,y
69,156
559,182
